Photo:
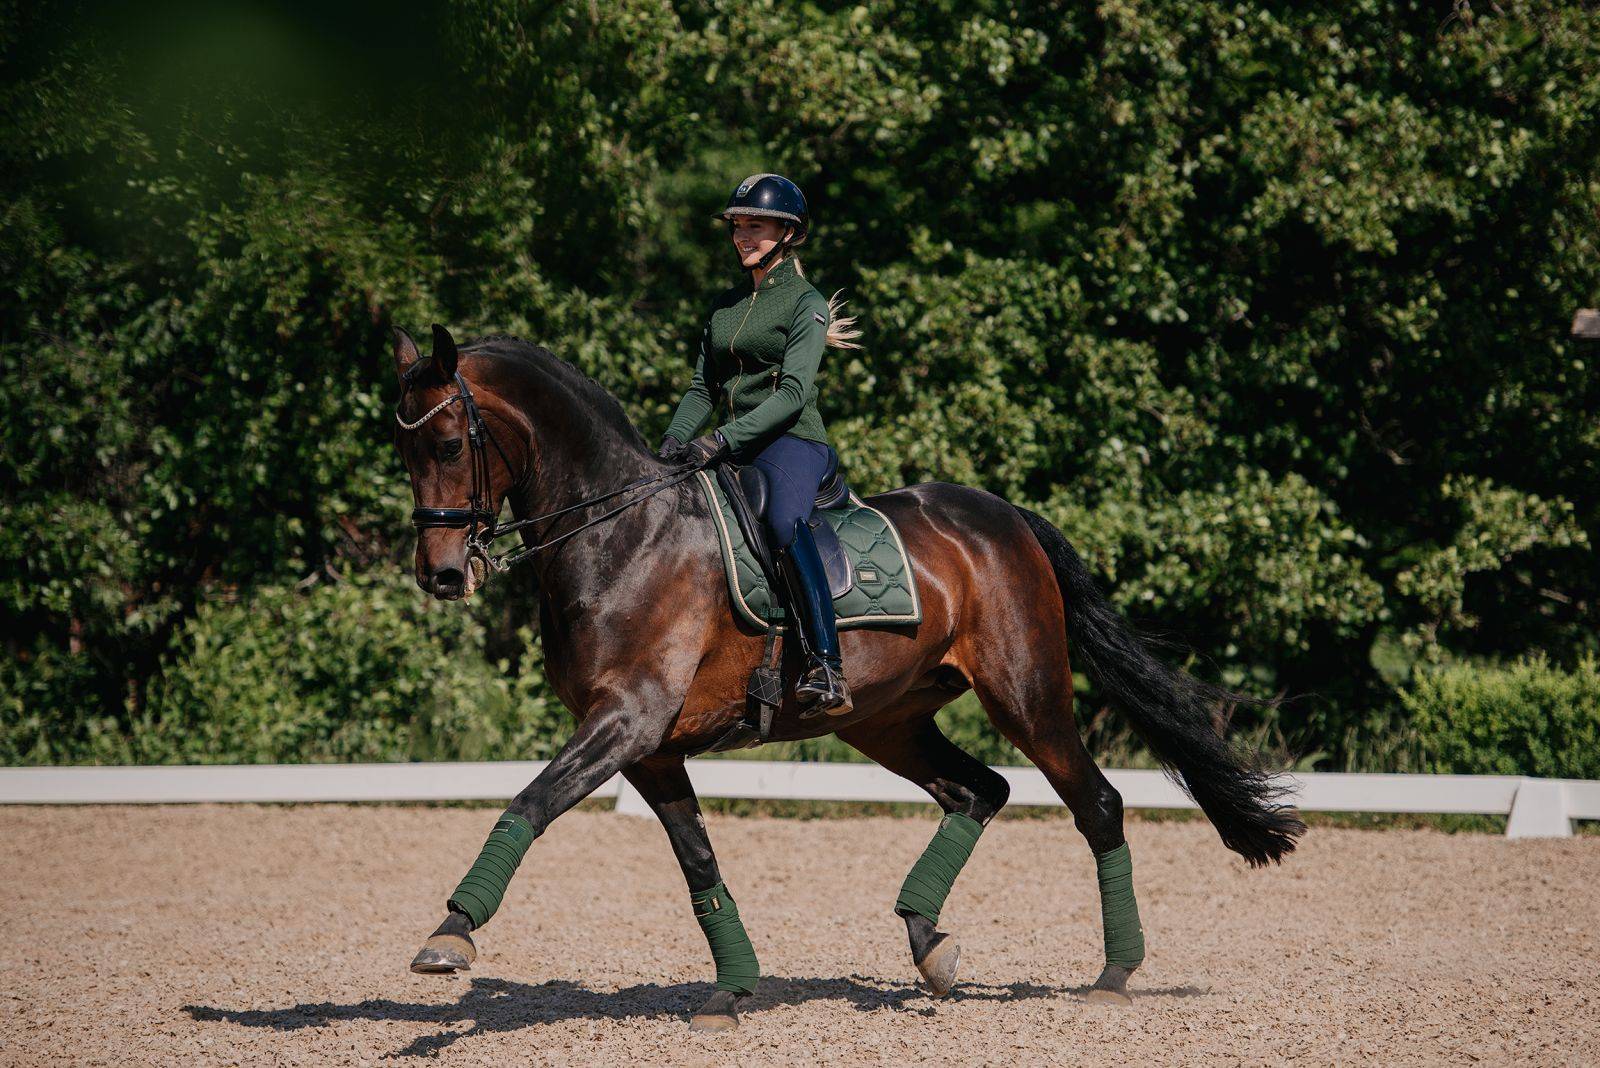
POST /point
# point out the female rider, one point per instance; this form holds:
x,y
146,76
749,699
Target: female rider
x,y
761,347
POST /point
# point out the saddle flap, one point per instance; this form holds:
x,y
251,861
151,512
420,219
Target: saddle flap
x,y
749,524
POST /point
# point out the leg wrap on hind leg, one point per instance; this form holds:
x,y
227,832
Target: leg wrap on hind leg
x,y
935,872
485,883
1119,911
737,968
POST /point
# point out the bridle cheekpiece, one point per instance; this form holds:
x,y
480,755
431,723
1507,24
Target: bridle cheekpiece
x,y
479,517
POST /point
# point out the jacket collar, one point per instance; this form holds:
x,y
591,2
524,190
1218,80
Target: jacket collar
x,y
783,271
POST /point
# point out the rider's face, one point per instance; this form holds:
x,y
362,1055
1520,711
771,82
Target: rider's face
x,y
754,236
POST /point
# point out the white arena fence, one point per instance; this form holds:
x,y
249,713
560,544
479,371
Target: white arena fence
x,y
1537,808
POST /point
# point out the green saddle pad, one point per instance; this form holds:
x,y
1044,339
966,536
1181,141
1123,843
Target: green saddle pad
x,y
883,590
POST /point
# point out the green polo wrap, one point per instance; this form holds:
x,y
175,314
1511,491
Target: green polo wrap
x,y
485,883
935,872
1119,912
737,969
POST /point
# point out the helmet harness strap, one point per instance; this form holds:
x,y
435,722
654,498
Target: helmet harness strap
x,y
777,250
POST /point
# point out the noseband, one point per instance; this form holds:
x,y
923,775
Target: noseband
x,y
481,518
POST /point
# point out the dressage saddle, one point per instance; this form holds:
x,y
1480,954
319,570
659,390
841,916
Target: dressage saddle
x,y
748,493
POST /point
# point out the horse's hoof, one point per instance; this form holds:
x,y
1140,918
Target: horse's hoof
x,y
445,954
710,1022
1111,988
719,1013
938,968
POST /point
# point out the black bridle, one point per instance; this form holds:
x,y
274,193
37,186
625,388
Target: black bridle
x,y
479,514
481,518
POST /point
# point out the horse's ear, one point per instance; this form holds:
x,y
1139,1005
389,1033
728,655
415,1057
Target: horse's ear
x,y
444,352
405,351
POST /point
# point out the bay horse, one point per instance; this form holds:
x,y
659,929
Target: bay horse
x,y
641,644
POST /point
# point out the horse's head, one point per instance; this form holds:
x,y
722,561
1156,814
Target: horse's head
x,y
459,474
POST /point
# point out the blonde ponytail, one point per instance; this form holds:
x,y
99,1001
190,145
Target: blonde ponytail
x,y
842,330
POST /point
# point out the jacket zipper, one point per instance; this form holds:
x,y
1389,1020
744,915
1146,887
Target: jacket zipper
x,y
734,392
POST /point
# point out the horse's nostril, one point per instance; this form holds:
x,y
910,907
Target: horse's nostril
x,y
448,581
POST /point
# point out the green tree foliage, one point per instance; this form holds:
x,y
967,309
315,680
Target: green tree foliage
x,y
1526,718
350,671
1264,304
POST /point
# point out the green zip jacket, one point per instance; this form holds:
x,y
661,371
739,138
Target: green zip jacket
x,y
760,349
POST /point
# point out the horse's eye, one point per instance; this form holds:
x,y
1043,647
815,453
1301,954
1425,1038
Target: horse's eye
x,y
450,450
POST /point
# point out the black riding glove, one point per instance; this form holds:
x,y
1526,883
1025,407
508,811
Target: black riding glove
x,y
705,449
670,448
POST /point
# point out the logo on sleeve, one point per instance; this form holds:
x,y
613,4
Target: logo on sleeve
x,y
818,317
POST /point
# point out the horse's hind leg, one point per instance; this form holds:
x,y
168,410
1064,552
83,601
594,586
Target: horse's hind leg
x,y
1027,692
970,794
665,786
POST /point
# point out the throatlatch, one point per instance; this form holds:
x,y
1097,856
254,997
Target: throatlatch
x,y
737,968
484,885
1119,911
934,873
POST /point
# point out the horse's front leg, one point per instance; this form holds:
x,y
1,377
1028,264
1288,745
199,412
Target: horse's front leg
x,y
608,740
665,786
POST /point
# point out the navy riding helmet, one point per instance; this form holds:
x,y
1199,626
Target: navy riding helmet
x,y
773,196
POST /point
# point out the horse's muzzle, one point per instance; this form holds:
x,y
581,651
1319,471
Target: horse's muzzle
x,y
447,584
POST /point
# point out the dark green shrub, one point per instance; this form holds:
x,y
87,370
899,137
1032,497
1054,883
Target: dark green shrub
x,y
52,710
1528,718
360,670
966,724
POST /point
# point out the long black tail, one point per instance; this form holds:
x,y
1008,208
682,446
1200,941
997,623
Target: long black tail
x,y
1172,712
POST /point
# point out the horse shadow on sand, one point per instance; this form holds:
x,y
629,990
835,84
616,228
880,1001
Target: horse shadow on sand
x,y
494,1006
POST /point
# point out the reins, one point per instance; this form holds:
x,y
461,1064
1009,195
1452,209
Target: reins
x,y
504,561
482,522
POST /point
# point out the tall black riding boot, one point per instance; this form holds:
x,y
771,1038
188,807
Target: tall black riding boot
x,y
821,688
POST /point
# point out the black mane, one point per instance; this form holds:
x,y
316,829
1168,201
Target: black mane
x,y
602,405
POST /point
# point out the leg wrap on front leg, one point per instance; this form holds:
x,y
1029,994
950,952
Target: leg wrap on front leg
x,y
485,883
1119,911
737,969
934,873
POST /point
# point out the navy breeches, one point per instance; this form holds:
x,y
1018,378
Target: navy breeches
x,y
795,468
